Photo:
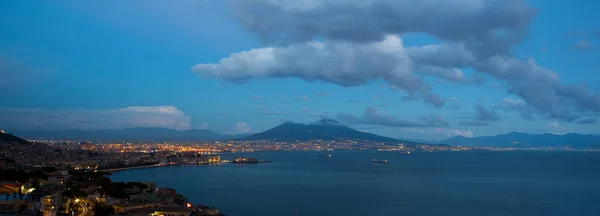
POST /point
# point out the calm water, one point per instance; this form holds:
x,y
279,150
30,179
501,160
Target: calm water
x,y
439,183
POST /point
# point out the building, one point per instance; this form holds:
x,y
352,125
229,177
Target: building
x,y
131,208
168,193
207,210
172,211
50,204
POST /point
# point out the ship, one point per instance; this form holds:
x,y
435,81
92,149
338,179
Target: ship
x,y
324,155
379,161
404,152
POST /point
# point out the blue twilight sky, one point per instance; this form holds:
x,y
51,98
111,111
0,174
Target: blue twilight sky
x,y
412,69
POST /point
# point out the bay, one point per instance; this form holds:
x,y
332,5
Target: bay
x,y
423,183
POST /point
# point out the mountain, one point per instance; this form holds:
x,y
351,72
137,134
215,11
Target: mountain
x,y
325,129
129,134
9,138
521,140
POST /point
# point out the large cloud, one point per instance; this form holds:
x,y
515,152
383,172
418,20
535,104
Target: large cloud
x,y
89,119
351,42
342,63
539,87
339,62
489,26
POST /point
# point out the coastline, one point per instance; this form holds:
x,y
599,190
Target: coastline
x,y
134,167
175,164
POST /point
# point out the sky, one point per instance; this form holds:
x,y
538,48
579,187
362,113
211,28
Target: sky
x,y
400,68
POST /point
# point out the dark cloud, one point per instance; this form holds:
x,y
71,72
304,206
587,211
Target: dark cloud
x,y
485,114
482,117
433,119
586,121
487,26
540,87
582,45
359,44
526,112
372,116
434,99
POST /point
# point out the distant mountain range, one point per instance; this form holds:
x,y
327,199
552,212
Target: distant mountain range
x,y
523,140
129,134
325,129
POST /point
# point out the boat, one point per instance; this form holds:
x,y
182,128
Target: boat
x,y
326,155
404,152
379,161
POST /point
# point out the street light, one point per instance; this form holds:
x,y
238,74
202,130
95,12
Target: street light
x,y
76,200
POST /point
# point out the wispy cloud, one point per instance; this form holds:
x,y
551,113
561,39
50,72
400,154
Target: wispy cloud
x,y
582,45
372,116
301,98
321,94
241,127
153,116
274,113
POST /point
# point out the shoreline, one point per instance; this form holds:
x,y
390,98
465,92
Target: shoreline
x,y
161,165
134,167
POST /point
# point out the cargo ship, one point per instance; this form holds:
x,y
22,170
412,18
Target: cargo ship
x,y
379,161
324,155
404,152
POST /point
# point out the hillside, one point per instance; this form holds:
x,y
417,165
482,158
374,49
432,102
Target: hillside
x,y
129,134
9,138
326,129
522,140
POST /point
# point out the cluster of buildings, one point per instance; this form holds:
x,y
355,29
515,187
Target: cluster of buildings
x,y
52,180
70,193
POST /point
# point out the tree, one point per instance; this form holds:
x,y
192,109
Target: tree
x,y
138,185
22,208
101,209
37,174
49,169
74,193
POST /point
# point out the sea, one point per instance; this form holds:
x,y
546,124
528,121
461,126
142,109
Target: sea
x,y
463,183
